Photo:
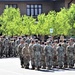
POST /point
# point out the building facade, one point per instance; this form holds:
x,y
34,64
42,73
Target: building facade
x,y
35,7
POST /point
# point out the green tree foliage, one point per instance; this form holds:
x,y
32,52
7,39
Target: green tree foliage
x,y
11,20
71,18
51,19
41,25
28,24
62,26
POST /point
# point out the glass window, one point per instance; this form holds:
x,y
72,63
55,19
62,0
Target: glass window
x,y
36,12
39,11
39,6
35,6
11,5
28,6
32,6
28,12
32,12
34,9
14,5
6,6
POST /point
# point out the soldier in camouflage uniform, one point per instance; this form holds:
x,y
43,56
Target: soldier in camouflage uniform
x,y
70,55
13,48
17,42
37,54
32,54
0,48
6,46
64,44
28,40
55,44
60,56
26,55
74,52
49,56
43,62
19,50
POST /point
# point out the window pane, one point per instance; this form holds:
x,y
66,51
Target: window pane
x,y
39,6
15,6
40,11
28,12
32,6
10,5
35,6
32,12
36,12
6,6
28,6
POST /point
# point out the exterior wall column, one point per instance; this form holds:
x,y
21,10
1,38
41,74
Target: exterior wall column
x,y
67,3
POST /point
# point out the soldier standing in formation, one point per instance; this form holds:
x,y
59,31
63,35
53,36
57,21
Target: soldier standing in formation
x,y
60,56
32,54
20,46
70,55
49,55
55,44
64,44
26,55
37,54
41,54
43,62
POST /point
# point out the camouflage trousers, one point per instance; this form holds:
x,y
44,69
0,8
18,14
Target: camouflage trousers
x,y
43,62
60,60
37,60
70,61
49,61
26,61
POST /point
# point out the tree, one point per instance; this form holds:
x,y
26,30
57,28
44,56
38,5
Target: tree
x,y
28,23
11,20
71,19
62,26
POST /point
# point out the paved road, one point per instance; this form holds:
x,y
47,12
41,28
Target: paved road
x,y
11,66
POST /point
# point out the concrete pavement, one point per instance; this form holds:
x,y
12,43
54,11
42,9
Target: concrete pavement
x,y
11,66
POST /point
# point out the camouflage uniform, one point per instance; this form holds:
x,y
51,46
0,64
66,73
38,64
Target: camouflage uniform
x,y
49,55
55,44
70,55
43,62
74,52
0,48
31,51
17,42
26,55
37,54
19,49
64,44
6,46
60,56
28,40
13,48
